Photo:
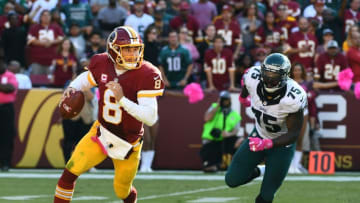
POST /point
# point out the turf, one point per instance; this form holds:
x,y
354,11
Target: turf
x,y
180,191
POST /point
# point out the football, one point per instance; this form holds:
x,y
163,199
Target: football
x,y
72,105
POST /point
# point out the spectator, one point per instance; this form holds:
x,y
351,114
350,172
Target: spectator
x,y
8,87
163,27
42,40
219,133
59,18
64,65
175,63
187,42
328,66
111,17
79,13
302,46
331,21
249,24
38,7
298,74
185,20
219,67
315,10
353,56
20,6
285,22
139,20
23,80
229,29
152,46
270,34
94,46
4,18
327,36
78,40
352,15
293,8
206,42
260,55
14,40
244,62
204,11
349,39
173,9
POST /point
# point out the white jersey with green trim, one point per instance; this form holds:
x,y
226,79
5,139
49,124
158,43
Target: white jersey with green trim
x,y
271,113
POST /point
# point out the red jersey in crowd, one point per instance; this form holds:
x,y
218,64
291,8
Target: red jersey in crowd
x,y
191,24
219,65
298,40
40,54
231,33
286,26
293,8
63,69
328,67
351,18
271,37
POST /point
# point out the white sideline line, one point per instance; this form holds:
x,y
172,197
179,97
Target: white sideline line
x,y
178,177
184,193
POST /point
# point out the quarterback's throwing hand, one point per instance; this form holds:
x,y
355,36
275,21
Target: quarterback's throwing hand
x,y
116,89
257,144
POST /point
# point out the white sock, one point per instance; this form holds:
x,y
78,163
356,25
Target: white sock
x,y
150,158
297,158
262,169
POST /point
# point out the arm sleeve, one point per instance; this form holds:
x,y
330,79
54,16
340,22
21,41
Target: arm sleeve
x,y
84,81
145,111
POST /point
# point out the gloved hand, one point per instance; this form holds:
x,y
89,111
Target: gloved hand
x,y
257,144
245,101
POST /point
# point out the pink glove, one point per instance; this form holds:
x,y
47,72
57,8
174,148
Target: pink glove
x,y
245,101
257,144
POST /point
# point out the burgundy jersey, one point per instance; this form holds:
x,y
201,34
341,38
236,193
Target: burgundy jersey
x,y
286,26
143,82
40,54
231,33
191,24
351,18
327,67
63,69
220,64
298,40
272,37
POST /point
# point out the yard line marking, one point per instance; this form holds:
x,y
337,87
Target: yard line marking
x,y
178,177
189,192
183,193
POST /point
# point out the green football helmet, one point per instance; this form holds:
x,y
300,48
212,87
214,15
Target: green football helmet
x,y
275,72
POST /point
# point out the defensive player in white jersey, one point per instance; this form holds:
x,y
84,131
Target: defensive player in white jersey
x,y
278,103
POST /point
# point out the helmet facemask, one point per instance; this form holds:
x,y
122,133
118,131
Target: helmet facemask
x,y
273,79
129,56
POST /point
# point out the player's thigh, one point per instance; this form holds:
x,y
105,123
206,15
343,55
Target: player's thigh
x,y
243,163
125,172
87,153
277,165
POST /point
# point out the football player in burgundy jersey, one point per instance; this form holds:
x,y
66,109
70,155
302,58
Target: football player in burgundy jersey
x,y
219,66
128,89
303,45
328,66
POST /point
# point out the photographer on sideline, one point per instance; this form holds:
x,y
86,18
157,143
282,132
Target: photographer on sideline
x,y
219,134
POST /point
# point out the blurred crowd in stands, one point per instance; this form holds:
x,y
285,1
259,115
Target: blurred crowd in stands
x,y
50,41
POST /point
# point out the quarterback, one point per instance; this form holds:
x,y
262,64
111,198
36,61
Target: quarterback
x,y
277,103
128,89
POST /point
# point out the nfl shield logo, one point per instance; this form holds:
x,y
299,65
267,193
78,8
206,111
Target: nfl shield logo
x,y
104,78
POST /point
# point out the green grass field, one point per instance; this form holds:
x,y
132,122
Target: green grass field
x,y
31,186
